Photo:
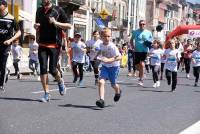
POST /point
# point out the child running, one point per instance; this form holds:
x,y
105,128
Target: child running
x,y
155,54
17,55
110,58
196,64
92,49
33,56
172,57
78,58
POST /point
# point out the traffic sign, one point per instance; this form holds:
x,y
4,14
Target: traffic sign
x,y
104,14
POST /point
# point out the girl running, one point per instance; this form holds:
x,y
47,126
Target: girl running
x,y
155,54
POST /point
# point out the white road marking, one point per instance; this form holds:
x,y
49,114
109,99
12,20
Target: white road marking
x,y
194,129
53,90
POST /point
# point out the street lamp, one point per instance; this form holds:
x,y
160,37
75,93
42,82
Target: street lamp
x,y
93,10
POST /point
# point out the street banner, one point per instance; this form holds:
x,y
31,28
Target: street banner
x,y
100,23
194,33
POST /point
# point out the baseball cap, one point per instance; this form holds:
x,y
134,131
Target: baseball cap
x,y
77,33
3,2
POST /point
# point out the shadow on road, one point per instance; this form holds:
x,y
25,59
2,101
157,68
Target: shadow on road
x,y
154,91
82,106
17,99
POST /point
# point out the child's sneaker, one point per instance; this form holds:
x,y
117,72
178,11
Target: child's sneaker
x,y
2,88
100,103
158,84
195,84
140,83
154,85
80,84
45,98
117,96
62,88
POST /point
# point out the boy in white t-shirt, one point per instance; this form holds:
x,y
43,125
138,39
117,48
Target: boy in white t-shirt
x,y
172,57
155,54
110,58
78,58
92,49
33,55
17,55
196,64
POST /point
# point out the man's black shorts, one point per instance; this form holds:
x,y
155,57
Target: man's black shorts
x,y
140,56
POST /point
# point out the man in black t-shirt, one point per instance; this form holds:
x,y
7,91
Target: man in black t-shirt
x,y
9,31
50,20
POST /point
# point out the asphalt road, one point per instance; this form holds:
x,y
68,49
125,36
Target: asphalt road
x,y
141,110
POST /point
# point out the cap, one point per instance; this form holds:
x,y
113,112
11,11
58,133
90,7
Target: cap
x,y
77,33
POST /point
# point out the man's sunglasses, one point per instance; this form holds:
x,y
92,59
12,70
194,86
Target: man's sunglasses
x,y
142,24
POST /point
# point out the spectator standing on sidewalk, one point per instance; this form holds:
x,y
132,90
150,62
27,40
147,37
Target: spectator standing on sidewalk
x,y
110,58
33,56
92,49
8,33
141,36
17,56
50,21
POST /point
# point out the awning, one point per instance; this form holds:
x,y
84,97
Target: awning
x,y
23,15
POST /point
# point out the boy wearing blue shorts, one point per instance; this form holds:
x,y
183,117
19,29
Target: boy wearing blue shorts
x,y
110,57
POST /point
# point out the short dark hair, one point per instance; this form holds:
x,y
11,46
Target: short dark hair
x,y
141,21
32,37
96,31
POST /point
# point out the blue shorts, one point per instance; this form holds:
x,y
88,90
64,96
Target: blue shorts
x,y
109,73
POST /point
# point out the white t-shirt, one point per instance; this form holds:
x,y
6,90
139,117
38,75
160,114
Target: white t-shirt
x,y
16,51
172,57
163,58
94,46
155,55
196,57
109,51
78,55
33,51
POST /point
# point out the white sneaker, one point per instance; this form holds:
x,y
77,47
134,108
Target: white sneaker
x,y
188,76
38,78
154,85
140,83
158,84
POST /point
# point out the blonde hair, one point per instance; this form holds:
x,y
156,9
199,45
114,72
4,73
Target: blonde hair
x,y
105,30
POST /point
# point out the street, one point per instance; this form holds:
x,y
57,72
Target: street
x,y
141,110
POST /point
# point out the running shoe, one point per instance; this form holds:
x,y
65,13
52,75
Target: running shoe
x,y
154,85
100,103
140,83
45,98
62,88
2,88
195,84
117,96
158,84
80,84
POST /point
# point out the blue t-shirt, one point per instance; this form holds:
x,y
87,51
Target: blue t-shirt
x,y
140,36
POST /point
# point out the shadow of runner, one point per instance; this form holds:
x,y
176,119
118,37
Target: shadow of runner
x,y
18,99
154,91
22,99
82,106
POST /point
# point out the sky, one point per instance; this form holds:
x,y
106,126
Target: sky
x,y
194,1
